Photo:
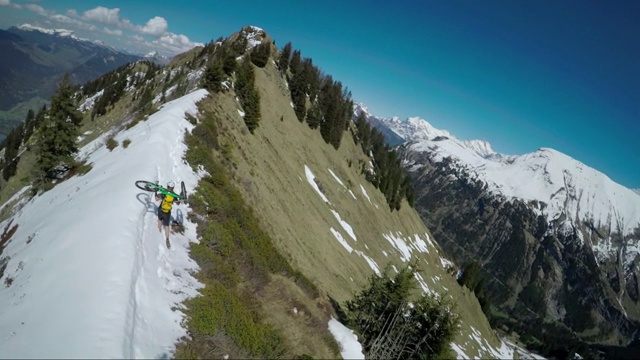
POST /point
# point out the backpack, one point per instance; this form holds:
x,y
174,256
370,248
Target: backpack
x,y
167,202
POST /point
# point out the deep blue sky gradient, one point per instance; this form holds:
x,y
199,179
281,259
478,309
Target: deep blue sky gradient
x,y
519,74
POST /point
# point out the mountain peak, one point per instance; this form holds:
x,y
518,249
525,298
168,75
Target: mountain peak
x,y
254,35
565,184
55,32
482,147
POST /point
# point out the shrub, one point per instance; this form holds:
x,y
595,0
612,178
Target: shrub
x,y
111,144
125,143
192,119
83,168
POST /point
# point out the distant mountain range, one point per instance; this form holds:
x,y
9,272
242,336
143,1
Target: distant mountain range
x,y
547,228
564,184
34,59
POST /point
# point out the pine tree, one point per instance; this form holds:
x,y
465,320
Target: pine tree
x,y
11,146
285,58
295,64
393,325
214,76
229,62
29,125
314,116
297,87
260,54
57,142
248,94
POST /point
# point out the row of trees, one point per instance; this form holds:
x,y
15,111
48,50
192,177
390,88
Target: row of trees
x,y
472,278
223,65
387,173
319,100
325,104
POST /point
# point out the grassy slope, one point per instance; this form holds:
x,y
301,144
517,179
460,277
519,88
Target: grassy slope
x,y
270,172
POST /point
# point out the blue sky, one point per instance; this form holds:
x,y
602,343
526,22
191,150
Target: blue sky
x,y
519,74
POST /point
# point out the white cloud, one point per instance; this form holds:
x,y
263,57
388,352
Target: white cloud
x,y
103,15
8,3
67,20
155,27
117,32
174,43
37,9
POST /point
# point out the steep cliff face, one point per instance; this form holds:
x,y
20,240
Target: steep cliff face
x,y
538,267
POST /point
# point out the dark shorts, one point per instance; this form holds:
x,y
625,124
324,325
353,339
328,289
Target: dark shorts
x,y
164,217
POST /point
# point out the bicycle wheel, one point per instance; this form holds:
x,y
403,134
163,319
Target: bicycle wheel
x,y
146,185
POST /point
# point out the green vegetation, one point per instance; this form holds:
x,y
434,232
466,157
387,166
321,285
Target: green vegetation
x,y
387,173
125,143
472,278
237,260
214,76
392,325
57,136
249,97
284,58
83,168
111,143
260,54
330,109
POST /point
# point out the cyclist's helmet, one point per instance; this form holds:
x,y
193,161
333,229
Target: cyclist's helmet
x,y
171,184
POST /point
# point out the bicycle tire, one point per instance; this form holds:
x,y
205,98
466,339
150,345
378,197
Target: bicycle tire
x,y
146,185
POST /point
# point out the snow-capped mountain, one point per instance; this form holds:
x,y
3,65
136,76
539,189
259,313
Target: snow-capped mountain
x,y
157,58
546,228
56,32
567,186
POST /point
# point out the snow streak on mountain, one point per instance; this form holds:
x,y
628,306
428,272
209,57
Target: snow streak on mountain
x,y
565,185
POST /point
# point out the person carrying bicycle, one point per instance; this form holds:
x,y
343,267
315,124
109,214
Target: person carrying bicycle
x,y
164,208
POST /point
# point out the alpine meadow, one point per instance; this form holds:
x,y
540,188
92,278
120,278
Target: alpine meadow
x,y
297,218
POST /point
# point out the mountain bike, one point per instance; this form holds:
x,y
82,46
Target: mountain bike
x,y
155,187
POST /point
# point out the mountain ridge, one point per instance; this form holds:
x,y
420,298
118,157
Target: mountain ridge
x,y
560,174
34,59
545,228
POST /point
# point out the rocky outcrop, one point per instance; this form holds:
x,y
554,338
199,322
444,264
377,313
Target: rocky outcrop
x,y
565,270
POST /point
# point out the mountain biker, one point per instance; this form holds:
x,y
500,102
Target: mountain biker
x,y
164,208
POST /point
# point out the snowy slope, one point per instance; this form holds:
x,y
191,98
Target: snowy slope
x,y
563,183
91,274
